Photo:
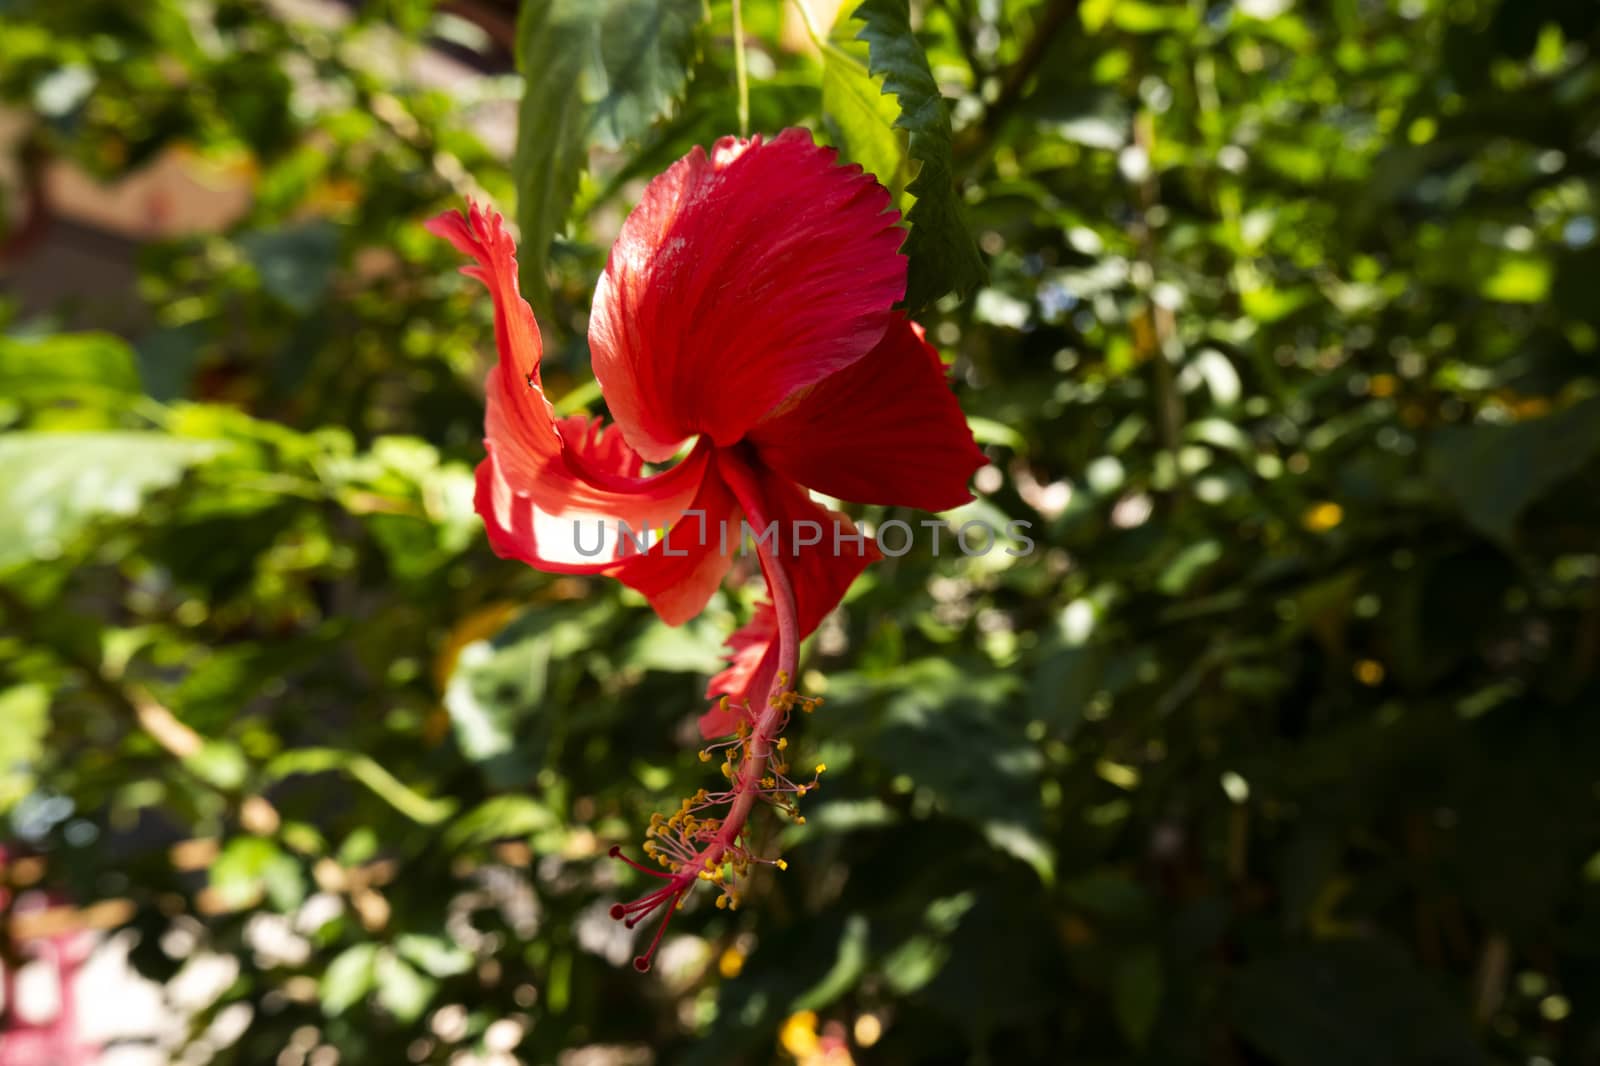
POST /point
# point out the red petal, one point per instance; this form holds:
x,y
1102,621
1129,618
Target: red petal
x,y
546,482
679,574
820,574
886,430
740,277
752,661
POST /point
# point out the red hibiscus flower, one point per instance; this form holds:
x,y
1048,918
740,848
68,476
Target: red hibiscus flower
x,y
744,328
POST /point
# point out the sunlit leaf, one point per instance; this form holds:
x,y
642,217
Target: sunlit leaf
x,y
54,485
944,257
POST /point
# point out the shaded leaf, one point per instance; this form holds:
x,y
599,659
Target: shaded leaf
x,y
1136,985
1495,472
295,263
1348,1004
598,74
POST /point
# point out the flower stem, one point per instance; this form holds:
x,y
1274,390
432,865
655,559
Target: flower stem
x,y
722,836
746,489
740,75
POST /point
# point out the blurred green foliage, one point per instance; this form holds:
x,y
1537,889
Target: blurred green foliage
x,y
1279,748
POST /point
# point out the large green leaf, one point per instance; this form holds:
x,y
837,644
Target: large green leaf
x,y
501,687
944,257
52,485
68,365
598,74
1494,473
295,263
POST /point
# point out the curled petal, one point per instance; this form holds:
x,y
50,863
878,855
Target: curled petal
x,y
545,480
748,677
884,430
742,276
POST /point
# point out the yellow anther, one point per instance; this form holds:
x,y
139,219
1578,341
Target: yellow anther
x,y
782,865
822,767
705,756
799,819
800,790
783,742
722,903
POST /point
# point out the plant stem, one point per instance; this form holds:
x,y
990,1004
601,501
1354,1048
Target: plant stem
x,y
741,76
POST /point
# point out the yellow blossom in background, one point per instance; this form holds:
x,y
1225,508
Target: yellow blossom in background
x,y
1322,517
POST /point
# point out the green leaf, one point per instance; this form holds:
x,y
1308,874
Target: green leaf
x,y
598,74
295,263
24,720
1136,986
167,358
348,978
434,955
863,113
1522,280
251,867
499,818
944,257
500,688
73,366
384,785
694,648
847,968
401,989
53,485
1495,472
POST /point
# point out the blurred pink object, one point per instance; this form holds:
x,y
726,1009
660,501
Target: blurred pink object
x,y
40,1010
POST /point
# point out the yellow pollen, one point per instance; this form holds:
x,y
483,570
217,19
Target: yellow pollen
x,y
782,865
822,767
